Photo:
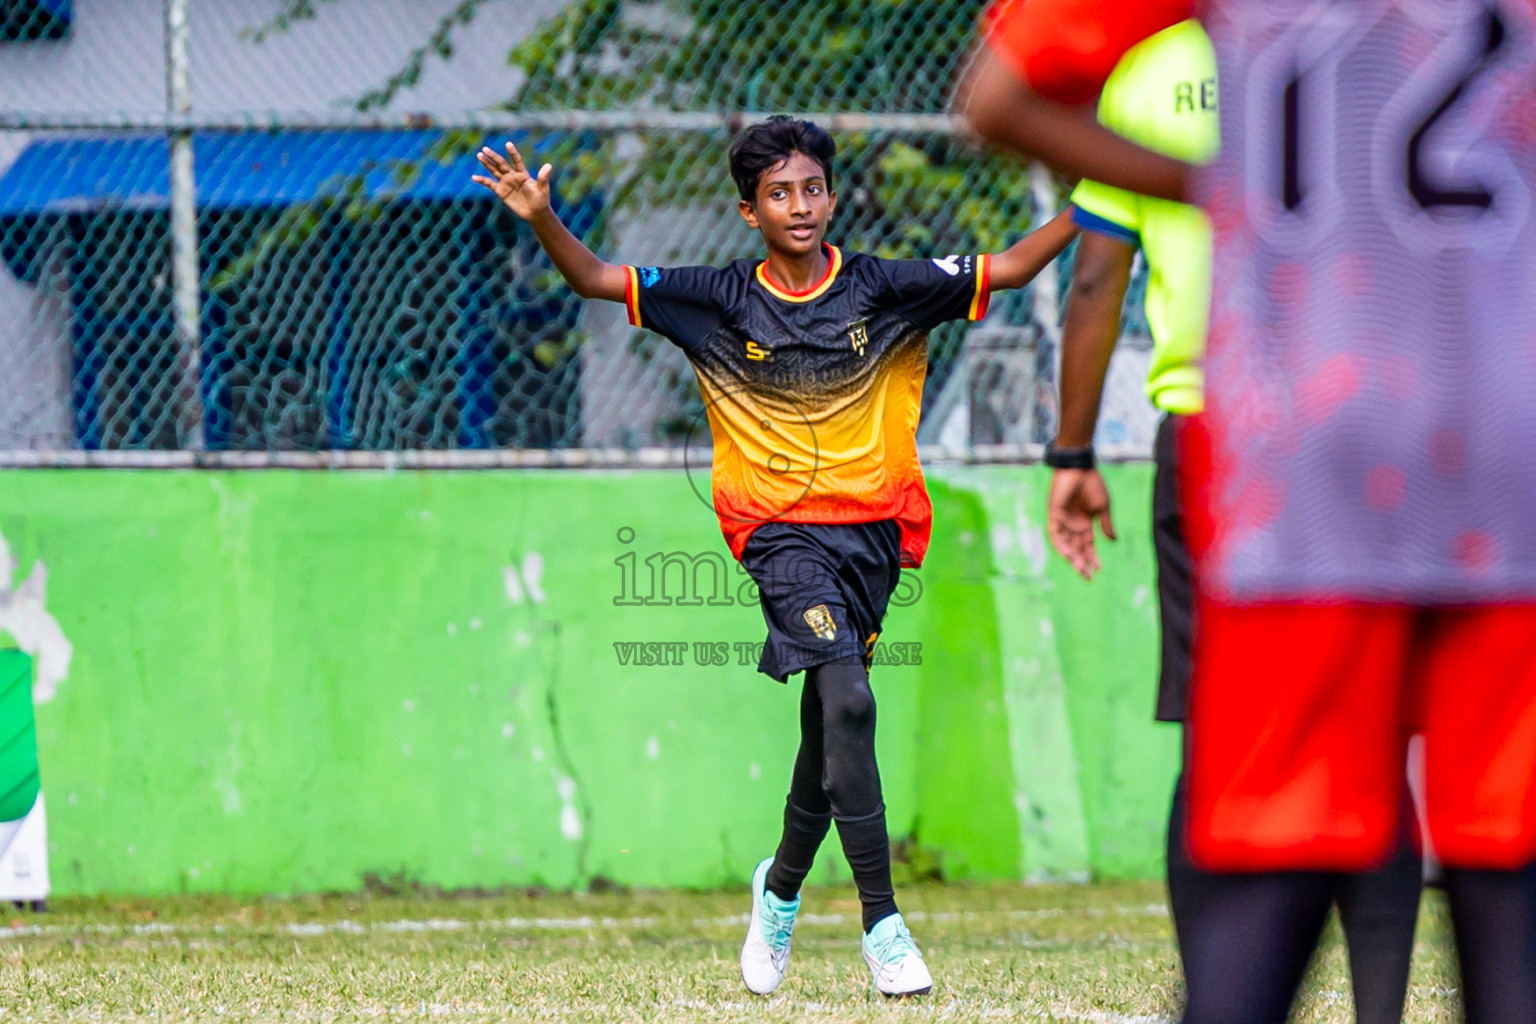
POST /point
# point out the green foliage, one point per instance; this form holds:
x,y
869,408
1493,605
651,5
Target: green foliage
x,y
289,13
846,55
439,44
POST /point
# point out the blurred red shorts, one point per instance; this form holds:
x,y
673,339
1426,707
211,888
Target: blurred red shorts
x,y
1300,714
1300,720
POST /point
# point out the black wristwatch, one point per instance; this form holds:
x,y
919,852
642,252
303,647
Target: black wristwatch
x,y
1069,458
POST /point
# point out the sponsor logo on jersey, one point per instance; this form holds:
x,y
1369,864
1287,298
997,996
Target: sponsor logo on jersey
x,y
649,276
756,352
858,335
949,264
819,619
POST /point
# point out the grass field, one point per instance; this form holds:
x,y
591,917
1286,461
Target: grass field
x,y
1099,953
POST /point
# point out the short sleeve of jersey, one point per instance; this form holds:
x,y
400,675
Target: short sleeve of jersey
x,y
679,303
930,292
1108,211
1065,49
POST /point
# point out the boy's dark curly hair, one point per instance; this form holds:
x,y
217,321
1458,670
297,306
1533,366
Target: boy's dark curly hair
x,y
765,145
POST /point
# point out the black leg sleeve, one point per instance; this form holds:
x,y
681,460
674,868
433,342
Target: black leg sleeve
x,y
806,789
1379,911
1494,913
849,773
852,781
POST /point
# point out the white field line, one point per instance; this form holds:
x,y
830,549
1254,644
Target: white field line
x,y
554,924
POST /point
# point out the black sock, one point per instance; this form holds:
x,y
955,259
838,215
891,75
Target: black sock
x,y
803,833
1494,913
867,847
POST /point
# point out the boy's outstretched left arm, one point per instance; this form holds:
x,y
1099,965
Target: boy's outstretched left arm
x,y
1021,262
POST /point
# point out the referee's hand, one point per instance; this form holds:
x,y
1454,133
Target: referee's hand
x,y
1078,497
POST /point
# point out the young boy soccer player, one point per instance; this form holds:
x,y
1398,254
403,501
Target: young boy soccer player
x,y
811,364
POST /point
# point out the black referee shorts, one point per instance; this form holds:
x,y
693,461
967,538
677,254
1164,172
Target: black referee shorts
x,y
1175,577
824,589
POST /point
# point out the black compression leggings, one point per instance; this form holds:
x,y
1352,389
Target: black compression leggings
x,y
1246,939
1257,933
836,779
1494,914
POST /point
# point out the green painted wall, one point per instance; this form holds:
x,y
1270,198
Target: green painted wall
x,y
283,681
18,737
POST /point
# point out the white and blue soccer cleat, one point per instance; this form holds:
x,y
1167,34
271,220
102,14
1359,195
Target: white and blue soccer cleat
x,y
765,954
894,960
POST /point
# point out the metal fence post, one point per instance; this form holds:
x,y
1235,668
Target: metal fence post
x,y
185,268
1047,305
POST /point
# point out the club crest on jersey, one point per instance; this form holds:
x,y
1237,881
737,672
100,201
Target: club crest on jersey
x,y
858,335
819,619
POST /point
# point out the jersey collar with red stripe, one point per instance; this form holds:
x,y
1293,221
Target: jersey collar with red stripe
x,y
834,264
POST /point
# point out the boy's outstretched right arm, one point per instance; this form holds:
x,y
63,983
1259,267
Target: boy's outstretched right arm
x,y
527,196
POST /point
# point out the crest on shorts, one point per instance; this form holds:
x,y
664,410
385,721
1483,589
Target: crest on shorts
x,y
858,334
819,619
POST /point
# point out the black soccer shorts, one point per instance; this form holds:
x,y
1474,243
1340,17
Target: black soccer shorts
x,y
824,589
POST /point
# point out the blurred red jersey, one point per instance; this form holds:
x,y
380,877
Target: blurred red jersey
x,y
1065,49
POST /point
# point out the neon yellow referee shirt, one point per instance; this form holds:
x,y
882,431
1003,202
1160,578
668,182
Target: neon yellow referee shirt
x,y
1162,95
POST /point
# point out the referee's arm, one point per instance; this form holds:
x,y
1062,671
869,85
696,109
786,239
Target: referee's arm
x,y
1078,497
1100,277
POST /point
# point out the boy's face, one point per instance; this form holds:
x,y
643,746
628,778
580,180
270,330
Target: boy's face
x,y
792,207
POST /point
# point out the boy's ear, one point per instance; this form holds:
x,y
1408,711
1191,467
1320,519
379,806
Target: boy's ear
x,y
748,213
831,204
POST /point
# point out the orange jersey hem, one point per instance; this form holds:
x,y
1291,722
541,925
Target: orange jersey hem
x,y
913,517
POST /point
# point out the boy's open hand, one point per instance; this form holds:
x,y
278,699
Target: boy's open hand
x,y
525,195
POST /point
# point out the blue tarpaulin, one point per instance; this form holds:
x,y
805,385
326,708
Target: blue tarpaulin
x,y
33,20
64,176
63,196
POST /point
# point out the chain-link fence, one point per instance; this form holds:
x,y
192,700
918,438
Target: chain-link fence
x,y
248,227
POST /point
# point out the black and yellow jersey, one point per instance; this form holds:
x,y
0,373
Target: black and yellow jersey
x,y
813,397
